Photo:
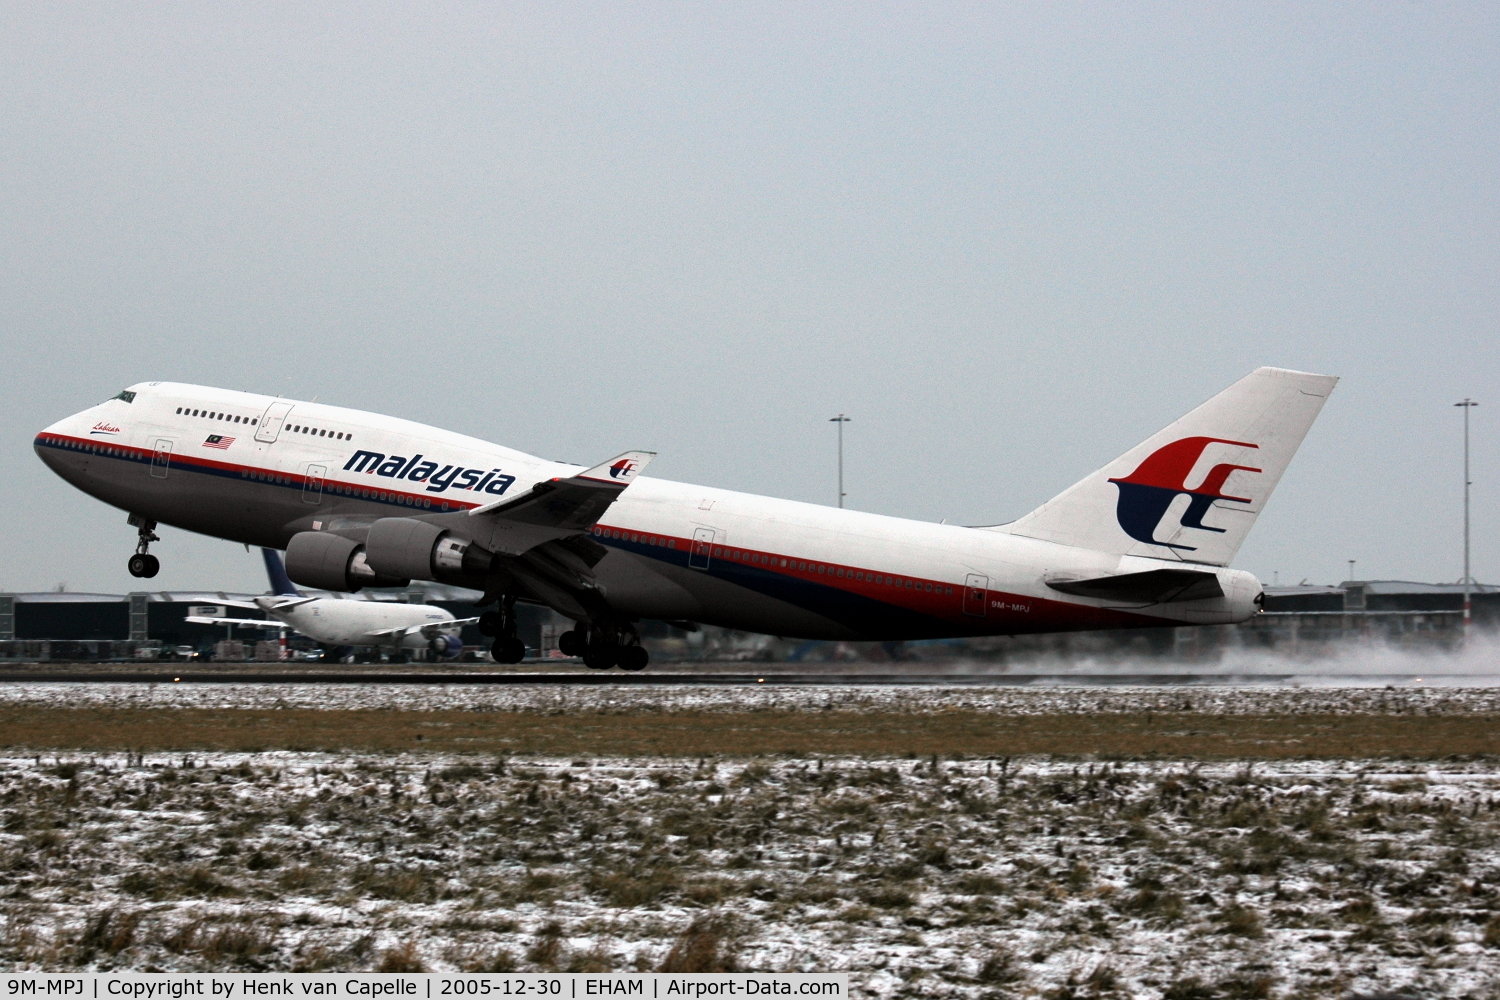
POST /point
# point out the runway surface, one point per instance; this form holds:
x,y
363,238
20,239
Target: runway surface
x,y
666,679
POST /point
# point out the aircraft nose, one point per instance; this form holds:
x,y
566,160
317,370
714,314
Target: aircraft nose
x,y
55,440
67,427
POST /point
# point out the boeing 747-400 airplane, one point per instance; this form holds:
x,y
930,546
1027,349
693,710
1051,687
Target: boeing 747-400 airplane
x,y
359,499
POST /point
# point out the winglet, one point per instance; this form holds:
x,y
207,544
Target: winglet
x,y
556,508
618,472
621,469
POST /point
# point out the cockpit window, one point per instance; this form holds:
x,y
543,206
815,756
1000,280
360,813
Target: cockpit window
x,y
126,395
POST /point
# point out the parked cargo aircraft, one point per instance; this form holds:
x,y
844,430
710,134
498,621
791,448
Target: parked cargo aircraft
x,y
332,622
360,499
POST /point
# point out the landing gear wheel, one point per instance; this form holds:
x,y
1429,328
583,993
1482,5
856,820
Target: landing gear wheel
x,y
570,644
510,650
143,563
600,657
634,658
491,623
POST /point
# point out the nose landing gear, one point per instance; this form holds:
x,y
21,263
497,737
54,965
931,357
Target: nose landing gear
x,y
143,563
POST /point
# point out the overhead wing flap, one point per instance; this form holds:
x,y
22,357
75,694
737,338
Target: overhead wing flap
x,y
259,622
1157,586
295,602
559,507
436,627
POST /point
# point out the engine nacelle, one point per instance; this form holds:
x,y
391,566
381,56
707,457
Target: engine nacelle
x,y
446,645
419,550
402,546
326,561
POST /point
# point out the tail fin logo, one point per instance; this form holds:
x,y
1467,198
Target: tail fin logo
x,y
623,469
1148,492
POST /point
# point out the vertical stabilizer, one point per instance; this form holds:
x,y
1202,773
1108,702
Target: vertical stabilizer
x,y
276,572
1191,491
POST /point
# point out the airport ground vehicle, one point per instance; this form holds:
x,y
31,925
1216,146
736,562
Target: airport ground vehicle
x,y
361,499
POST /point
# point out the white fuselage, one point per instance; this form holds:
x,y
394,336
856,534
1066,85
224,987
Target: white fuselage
x,y
676,551
335,622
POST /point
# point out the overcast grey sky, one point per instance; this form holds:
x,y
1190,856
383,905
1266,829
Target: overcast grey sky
x,y
1010,241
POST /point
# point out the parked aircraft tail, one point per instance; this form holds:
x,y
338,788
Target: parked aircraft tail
x,y
1191,491
280,582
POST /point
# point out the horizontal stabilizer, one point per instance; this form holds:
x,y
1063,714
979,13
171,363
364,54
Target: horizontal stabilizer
x,y
1157,586
557,508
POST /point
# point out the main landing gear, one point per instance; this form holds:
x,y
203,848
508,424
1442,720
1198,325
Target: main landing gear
x,y
501,624
143,563
603,647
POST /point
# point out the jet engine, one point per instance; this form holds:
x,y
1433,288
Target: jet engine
x,y
446,645
419,550
327,561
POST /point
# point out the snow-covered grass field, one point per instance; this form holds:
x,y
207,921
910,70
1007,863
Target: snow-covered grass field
x,y
934,878
1047,877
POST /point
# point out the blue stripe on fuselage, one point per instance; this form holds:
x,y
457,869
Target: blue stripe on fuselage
x,y
864,614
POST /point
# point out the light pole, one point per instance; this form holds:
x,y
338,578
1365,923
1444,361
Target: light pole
x,y
1468,580
841,420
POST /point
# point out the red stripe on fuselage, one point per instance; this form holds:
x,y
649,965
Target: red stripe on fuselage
x,y
332,487
1003,611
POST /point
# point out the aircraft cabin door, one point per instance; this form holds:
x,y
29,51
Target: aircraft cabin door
x,y
161,457
312,484
703,547
976,594
271,421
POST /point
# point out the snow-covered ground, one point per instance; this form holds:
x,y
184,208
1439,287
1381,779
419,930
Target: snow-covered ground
x,y
1050,700
1028,877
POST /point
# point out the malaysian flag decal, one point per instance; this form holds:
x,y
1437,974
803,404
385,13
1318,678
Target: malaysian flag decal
x,y
218,441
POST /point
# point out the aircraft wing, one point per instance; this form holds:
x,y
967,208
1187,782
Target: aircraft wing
x,y
557,508
428,628
257,622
